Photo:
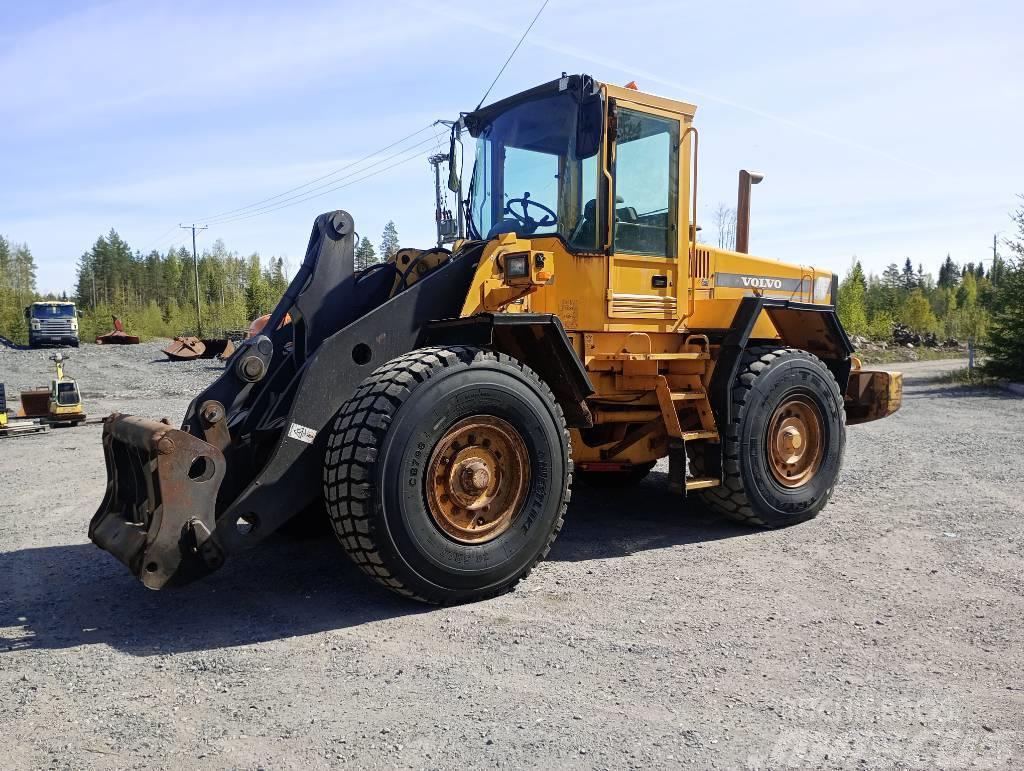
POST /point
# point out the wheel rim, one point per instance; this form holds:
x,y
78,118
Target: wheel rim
x,y
477,479
795,441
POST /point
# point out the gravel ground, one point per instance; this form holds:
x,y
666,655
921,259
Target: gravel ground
x,y
886,633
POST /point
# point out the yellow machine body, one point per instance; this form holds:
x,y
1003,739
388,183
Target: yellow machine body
x,y
428,400
640,322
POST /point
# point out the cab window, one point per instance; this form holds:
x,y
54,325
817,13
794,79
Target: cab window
x,y
646,184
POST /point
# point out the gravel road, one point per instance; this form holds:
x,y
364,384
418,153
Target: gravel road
x,y
886,633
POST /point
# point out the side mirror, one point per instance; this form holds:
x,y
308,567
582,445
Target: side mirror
x,y
455,161
28,313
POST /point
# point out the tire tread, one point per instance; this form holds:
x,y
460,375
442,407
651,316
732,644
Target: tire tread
x,y
730,498
360,428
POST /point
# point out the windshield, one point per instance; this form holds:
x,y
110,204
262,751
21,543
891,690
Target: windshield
x,y
53,311
527,178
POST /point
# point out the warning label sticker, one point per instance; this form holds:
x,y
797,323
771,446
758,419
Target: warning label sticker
x,y
302,433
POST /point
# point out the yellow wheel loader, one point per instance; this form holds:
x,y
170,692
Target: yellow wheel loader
x,y
439,405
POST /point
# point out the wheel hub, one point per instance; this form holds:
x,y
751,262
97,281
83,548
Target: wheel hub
x,y
794,441
477,479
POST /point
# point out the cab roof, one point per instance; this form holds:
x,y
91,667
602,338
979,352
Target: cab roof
x,y
582,85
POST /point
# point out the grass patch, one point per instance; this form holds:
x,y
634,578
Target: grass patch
x,y
890,355
967,377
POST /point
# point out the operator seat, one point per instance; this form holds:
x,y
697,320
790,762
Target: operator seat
x,y
586,231
585,235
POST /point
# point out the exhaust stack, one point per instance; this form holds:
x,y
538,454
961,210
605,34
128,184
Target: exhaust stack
x,y
747,178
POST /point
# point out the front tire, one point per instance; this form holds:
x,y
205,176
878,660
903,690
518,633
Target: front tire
x,y
447,474
784,448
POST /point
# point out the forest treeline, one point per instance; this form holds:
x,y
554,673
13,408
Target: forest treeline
x,y
958,305
154,293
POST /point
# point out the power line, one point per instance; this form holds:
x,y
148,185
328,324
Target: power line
x,y
305,196
537,16
325,192
334,187
337,171
160,238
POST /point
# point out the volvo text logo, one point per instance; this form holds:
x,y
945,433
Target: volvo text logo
x,y
762,283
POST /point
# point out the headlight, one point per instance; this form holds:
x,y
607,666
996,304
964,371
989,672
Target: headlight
x,y
74,325
36,324
517,265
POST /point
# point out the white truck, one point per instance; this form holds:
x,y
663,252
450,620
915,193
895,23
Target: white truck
x,y
52,322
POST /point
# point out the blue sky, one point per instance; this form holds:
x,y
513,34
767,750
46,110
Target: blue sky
x,y
885,129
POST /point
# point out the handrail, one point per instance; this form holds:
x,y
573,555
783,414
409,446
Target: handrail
x,y
691,304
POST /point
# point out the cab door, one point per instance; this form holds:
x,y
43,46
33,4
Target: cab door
x,y
644,280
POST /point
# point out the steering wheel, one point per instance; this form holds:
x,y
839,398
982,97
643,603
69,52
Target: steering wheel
x,y
524,219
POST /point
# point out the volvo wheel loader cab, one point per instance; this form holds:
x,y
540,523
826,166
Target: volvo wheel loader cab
x,y
440,404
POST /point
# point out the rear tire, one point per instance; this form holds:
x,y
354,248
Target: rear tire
x,y
386,460
768,480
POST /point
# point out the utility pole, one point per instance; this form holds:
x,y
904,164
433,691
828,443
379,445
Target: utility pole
x,y
195,260
995,254
447,230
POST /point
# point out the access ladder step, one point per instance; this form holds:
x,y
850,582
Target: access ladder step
x,y
692,436
700,483
685,396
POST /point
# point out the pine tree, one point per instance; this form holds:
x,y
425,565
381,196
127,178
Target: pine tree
x,y
365,256
997,271
17,288
857,274
852,303
389,242
949,274
891,276
257,290
1005,346
278,283
967,294
908,279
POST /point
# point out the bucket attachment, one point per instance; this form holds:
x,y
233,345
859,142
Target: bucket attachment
x,y
185,349
249,455
872,395
158,514
118,336
220,349
35,403
188,348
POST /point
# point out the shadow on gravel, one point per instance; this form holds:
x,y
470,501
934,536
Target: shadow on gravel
x,y
604,524
945,391
65,596
8,343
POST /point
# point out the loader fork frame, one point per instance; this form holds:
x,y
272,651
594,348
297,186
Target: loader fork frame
x,y
260,426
